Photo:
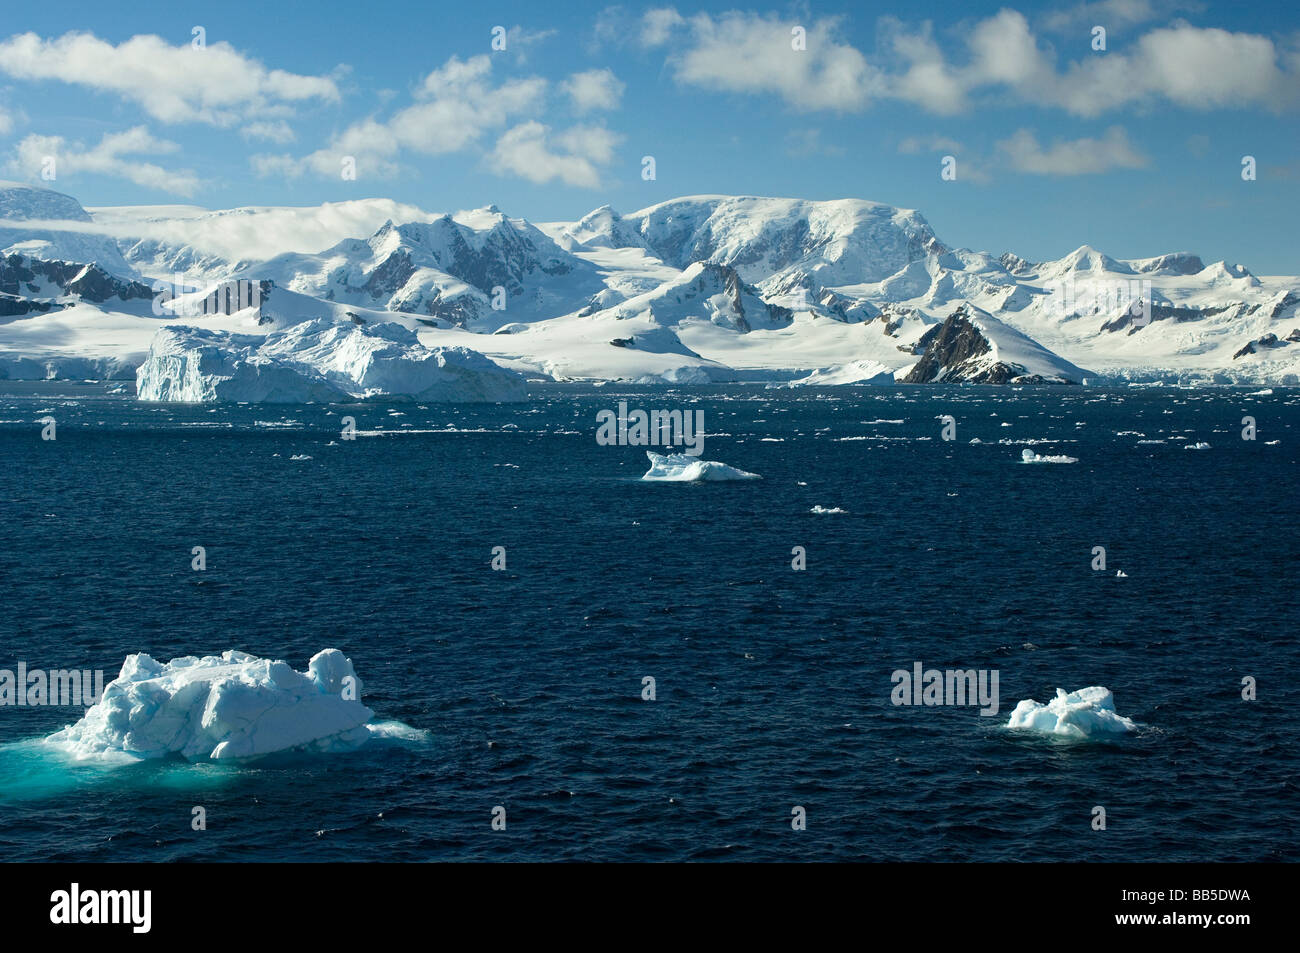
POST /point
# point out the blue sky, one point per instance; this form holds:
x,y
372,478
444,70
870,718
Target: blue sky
x,y
1136,149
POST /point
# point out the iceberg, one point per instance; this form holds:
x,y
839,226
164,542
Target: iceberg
x,y
218,707
683,468
1028,456
1087,713
317,360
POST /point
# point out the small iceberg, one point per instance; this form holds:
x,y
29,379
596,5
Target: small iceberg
x,y
219,707
1087,713
1028,456
683,468
1201,445
822,509
1120,574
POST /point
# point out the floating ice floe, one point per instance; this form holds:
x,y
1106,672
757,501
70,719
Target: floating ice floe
x,y
1087,713
1028,456
823,509
217,707
1201,445
683,468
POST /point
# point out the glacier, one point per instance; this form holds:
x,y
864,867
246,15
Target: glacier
x,y
682,468
1086,713
234,705
318,360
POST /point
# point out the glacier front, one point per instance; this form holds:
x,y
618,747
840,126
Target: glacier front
x,y
317,360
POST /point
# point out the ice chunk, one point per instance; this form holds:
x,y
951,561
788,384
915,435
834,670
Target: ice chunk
x,y
230,706
683,468
1028,456
1087,713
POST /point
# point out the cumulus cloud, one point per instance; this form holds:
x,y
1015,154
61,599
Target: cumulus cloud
x,y
997,59
751,53
1193,67
109,157
594,89
456,104
1085,156
526,150
216,84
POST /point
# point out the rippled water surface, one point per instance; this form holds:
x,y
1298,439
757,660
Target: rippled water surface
x,y
772,686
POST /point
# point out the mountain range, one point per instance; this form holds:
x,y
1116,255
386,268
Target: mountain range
x,y
697,289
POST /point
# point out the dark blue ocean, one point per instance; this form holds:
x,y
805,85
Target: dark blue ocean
x,y
772,685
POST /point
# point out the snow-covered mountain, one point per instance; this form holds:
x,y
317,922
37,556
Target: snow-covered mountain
x,y
700,288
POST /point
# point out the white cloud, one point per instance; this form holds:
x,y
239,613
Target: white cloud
x,y
273,131
107,158
750,53
998,59
525,150
216,84
1193,67
594,89
657,25
1085,156
455,106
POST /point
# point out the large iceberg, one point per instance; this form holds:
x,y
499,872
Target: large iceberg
x,y
1087,713
217,707
683,468
317,360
